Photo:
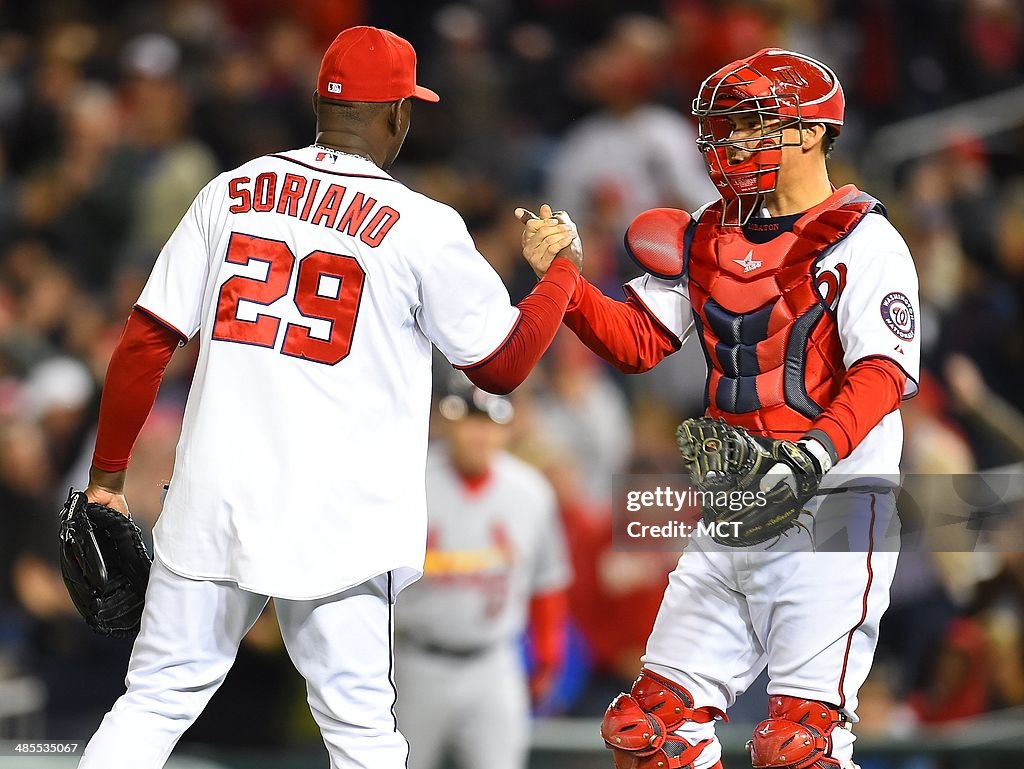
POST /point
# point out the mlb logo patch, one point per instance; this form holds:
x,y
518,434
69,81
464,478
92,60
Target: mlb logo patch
x,y
333,87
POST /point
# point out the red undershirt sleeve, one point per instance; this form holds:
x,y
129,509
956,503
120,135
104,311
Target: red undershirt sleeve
x,y
625,334
548,618
873,387
129,390
540,315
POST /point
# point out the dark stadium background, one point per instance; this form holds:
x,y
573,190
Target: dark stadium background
x,y
113,115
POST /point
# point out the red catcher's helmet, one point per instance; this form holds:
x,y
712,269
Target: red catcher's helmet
x,y
781,88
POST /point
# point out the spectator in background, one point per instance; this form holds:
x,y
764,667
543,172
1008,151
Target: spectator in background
x,y
81,199
322,18
98,140
468,128
1010,236
710,35
170,165
654,437
989,49
61,398
615,593
79,669
958,684
41,291
25,480
8,196
990,414
231,114
582,412
999,606
883,714
51,65
630,155
973,196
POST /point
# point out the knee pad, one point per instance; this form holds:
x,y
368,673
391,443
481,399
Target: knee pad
x,y
796,735
638,726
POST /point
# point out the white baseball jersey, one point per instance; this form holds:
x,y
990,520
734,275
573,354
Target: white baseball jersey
x,y
809,610
316,284
488,552
869,281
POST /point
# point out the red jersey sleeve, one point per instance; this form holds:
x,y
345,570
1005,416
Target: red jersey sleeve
x,y
872,388
625,334
129,391
540,315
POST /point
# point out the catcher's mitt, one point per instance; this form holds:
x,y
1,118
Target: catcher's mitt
x,y
759,484
105,565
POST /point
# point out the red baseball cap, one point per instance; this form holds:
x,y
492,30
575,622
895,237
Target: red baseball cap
x,y
370,64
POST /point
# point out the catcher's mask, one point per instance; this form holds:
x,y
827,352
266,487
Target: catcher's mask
x,y
765,93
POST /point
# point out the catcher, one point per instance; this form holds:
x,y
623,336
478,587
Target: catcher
x,y
804,300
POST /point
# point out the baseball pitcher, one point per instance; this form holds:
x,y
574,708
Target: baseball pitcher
x,y
315,283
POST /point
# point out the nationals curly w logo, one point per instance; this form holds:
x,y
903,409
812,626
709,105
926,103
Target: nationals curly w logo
x,y
898,314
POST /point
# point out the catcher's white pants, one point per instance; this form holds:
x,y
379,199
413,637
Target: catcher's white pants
x,y
190,634
811,617
476,709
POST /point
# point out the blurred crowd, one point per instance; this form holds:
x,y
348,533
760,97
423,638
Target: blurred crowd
x,y
114,114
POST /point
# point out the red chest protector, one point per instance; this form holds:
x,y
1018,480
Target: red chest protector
x,y
775,360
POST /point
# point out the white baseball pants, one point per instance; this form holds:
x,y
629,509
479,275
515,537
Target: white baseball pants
x,y
811,617
191,629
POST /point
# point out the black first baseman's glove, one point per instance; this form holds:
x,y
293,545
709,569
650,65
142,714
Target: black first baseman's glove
x,y
752,489
105,565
